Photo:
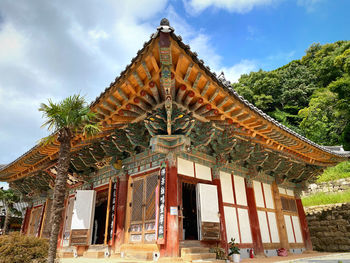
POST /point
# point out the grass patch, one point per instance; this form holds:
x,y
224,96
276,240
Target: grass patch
x,y
324,199
342,170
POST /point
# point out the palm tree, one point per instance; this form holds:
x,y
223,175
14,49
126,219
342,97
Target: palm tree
x,y
8,198
66,119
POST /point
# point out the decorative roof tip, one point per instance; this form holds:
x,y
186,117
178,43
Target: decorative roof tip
x,y
165,26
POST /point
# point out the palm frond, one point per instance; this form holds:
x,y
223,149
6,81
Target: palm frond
x,y
72,113
47,140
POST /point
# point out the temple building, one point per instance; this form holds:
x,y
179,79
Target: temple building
x,y
182,163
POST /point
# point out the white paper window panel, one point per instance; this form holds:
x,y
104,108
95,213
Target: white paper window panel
x,y
290,192
297,230
241,196
264,229
209,203
244,225
226,188
203,172
268,196
282,190
185,167
273,227
289,229
231,224
84,208
259,199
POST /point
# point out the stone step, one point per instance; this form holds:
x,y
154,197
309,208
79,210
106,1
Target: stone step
x,y
189,250
210,261
142,255
96,251
190,243
94,254
199,256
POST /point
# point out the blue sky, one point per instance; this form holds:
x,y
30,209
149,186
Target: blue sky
x,y
52,49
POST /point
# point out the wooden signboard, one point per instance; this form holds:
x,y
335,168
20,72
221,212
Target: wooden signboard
x,y
161,217
79,237
112,208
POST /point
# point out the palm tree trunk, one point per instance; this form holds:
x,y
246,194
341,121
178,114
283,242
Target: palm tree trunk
x,y
7,220
59,193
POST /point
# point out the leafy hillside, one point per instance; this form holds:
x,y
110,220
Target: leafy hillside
x,y
310,95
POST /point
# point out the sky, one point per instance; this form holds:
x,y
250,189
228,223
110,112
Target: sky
x,y
53,49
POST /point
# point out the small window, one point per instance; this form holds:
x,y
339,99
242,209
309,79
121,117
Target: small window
x,y
288,204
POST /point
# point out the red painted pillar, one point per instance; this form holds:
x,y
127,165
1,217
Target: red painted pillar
x,y
254,220
223,239
25,221
171,247
303,223
121,208
60,234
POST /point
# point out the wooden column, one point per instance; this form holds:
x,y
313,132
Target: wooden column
x,y
254,219
303,223
121,209
280,217
171,246
223,237
25,221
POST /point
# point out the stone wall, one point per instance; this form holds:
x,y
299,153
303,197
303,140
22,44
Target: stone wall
x,y
329,227
328,187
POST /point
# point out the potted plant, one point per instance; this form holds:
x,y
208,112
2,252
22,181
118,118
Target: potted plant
x,y
234,251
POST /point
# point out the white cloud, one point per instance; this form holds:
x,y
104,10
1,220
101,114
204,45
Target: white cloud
x,y
202,44
243,67
234,6
52,50
309,5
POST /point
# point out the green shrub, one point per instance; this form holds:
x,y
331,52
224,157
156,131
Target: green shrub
x,y
16,248
341,170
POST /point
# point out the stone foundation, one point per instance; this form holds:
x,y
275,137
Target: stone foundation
x,y
328,187
329,227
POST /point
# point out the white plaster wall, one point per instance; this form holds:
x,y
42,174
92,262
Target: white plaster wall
x,y
241,196
264,230
209,204
244,225
290,192
297,229
273,227
231,223
259,199
203,172
268,196
185,167
289,229
226,188
282,190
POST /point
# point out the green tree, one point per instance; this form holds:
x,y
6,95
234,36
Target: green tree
x,y
67,118
321,121
9,199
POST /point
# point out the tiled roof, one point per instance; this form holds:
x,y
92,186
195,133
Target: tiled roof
x,y
226,85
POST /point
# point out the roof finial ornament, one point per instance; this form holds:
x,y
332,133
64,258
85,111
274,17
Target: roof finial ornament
x,y
165,26
222,76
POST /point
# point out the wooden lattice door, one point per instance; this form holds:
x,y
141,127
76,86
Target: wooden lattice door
x,y
143,209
